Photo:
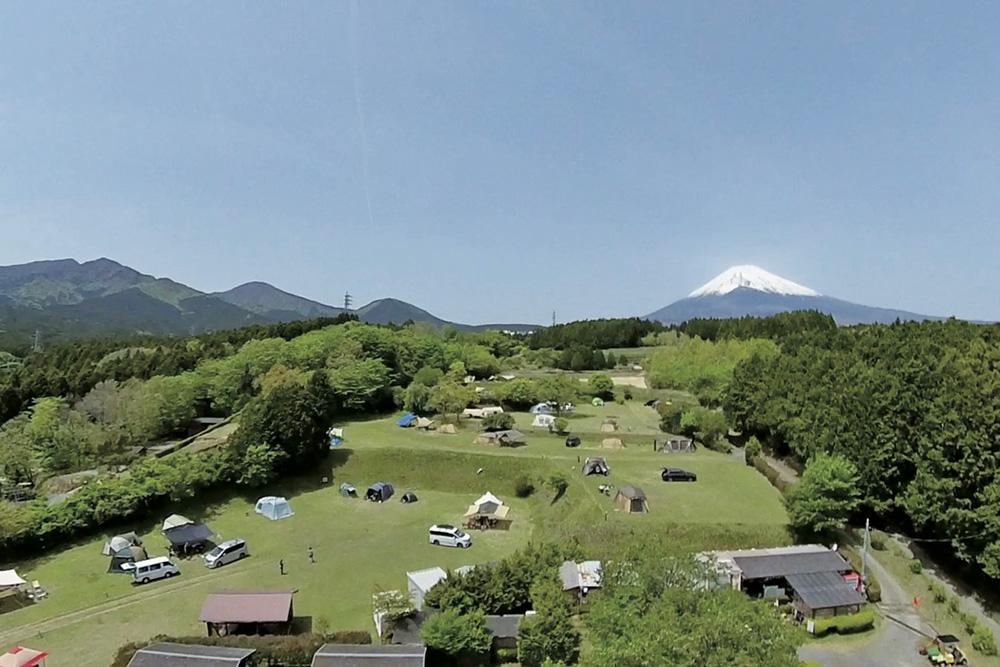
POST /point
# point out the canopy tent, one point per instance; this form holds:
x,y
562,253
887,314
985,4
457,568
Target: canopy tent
x,y
544,421
379,492
119,542
631,499
596,466
175,520
23,657
274,508
489,498
348,490
673,445
10,579
499,512
185,537
125,556
541,409
409,497
406,420
597,402
425,423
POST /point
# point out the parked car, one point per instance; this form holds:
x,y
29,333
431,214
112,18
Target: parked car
x,y
449,536
226,553
573,441
678,475
152,569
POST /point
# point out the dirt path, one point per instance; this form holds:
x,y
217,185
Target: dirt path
x,y
785,471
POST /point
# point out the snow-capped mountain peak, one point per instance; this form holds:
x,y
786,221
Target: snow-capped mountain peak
x,y
751,277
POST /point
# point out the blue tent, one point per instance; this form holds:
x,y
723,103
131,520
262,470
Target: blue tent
x,y
406,420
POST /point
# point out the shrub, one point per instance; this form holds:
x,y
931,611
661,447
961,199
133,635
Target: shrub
x,y
845,625
523,487
773,476
753,449
983,641
954,605
561,425
937,590
500,421
969,622
877,540
270,650
627,393
916,567
505,656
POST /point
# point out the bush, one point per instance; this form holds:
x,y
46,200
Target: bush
x,y
773,476
983,641
916,567
937,591
753,449
969,622
954,605
505,656
845,625
877,540
627,393
561,425
523,487
500,421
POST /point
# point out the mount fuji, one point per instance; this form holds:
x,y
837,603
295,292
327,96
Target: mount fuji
x,y
748,290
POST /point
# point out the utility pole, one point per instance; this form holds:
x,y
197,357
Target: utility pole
x,y
347,300
864,554
553,318
36,345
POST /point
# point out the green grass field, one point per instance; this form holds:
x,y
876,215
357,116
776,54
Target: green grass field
x,y
364,547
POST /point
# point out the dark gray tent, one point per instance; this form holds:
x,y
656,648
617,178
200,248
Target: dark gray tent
x,y
596,466
379,492
187,537
129,554
409,497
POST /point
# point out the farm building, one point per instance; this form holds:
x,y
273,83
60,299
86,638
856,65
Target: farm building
x,y
248,612
273,508
631,499
20,656
609,426
817,579
578,579
169,654
596,466
370,655
543,421
673,445
419,583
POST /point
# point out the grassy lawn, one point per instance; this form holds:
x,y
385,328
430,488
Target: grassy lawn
x,y
364,547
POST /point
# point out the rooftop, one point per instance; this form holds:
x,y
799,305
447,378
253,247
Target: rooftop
x,y
369,655
168,654
783,565
505,626
427,579
823,590
248,607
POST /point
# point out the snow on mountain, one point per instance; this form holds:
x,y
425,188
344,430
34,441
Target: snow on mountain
x,y
751,277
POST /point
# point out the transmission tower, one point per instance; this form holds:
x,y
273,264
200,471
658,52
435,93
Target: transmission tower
x,y
347,300
36,344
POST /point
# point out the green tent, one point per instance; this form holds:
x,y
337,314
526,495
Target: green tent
x,y
597,402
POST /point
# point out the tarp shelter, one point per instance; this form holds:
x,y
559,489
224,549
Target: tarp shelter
x,y
631,499
596,466
119,542
379,492
407,420
409,497
169,654
242,612
609,426
674,445
542,409
10,579
420,583
370,655
425,423
612,443
544,421
597,402
348,490
183,538
20,656
274,508
475,413
124,556
175,520
509,438
447,428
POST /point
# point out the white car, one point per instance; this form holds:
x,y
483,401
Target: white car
x,y
152,569
227,552
445,535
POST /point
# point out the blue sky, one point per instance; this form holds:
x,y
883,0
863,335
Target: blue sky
x,y
599,159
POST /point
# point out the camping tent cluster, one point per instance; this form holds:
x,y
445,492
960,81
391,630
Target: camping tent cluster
x,y
273,508
482,413
124,550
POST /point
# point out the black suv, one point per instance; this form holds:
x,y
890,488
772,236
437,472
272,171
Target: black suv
x,y
678,475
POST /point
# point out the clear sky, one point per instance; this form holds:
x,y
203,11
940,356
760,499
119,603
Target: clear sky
x,y
493,161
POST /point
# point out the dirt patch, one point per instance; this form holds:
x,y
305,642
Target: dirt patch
x,y
630,381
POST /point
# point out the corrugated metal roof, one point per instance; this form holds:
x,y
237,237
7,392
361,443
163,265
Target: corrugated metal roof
x,y
169,654
427,579
505,626
248,607
369,655
823,590
782,565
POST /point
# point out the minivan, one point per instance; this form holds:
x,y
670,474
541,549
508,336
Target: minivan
x,y
226,553
152,569
449,536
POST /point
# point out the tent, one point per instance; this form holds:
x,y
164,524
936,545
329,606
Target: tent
x,y
183,538
632,500
597,402
652,403
124,556
273,508
475,413
175,520
492,410
425,423
487,504
10,579
572,441
379,492
612,443
541,409
348,490
119,542
23,657
596,466
406,421
447,428
544,421
673,445
408,497
609,426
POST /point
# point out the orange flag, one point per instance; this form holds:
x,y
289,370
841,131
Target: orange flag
x,y
916,602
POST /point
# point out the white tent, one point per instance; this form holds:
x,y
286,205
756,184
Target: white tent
x,y
175,520
541,409
545,421
419,583
489,498
273,508
10,579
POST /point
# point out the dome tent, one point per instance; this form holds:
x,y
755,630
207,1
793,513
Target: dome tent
x,y
348,490
379,492
408,497
274,508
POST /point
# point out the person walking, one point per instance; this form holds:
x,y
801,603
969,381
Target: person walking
x,y
312,556
281,565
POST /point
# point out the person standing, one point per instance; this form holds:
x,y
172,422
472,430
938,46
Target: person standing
x,y
312,556
281,565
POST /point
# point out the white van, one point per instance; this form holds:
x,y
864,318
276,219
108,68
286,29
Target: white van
x,y
227,552
449,536
154,568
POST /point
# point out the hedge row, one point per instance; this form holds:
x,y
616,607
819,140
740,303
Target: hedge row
x,y
845,625
773,476
270,650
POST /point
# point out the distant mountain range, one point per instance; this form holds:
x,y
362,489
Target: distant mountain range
x,y
750,290
66,299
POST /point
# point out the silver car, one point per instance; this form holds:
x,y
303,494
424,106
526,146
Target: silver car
x,y
227,552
